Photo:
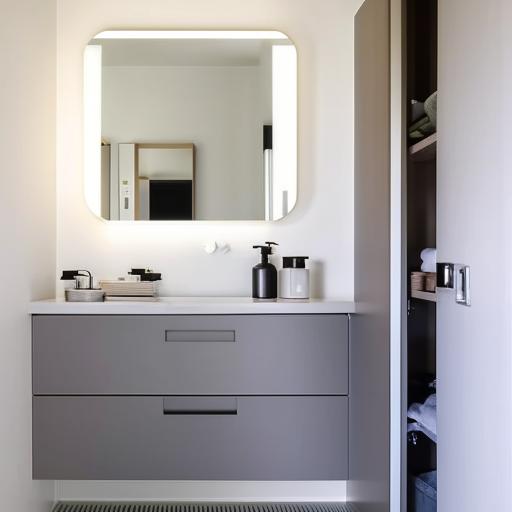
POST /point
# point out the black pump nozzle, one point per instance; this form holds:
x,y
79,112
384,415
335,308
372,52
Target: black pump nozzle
x,y
266,250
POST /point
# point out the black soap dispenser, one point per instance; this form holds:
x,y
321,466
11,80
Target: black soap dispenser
x,y
264,274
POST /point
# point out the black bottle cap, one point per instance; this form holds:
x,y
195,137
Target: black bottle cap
x,y
146,275
295,261
137,271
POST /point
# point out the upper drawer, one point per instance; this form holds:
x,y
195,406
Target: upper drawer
x,y
190,355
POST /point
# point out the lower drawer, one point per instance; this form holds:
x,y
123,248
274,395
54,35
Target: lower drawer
x,y
190,438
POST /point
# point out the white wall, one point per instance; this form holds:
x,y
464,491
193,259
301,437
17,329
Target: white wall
x,y
321,225
27,229
219,109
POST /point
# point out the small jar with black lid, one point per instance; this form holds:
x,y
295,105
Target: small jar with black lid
x,y
294,278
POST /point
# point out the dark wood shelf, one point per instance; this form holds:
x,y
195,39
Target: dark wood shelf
x,y
429,296
424,150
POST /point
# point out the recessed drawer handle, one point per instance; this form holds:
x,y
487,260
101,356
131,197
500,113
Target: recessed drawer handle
x,y
187,336
200,406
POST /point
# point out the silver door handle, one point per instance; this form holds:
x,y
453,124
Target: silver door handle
x,y
454,276
463,290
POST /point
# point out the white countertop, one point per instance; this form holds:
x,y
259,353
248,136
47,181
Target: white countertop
x,y
193,306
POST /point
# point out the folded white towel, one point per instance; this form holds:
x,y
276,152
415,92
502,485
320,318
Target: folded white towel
x,y
429,260
425,416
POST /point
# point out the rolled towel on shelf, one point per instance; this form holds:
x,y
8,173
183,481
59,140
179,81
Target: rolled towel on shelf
x,y
421,128
417,110
429,260
430,107
423,117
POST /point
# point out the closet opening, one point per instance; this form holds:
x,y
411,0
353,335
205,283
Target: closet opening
x,y
420,393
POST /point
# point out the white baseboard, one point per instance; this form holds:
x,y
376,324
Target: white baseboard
x,y
73,490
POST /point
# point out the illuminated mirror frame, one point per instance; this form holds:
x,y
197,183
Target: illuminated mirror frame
x,y
284,92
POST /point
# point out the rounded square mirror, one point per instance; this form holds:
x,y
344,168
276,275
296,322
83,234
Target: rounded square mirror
x,y
190,125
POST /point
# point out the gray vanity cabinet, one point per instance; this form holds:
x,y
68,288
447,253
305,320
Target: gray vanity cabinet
x,y
220,397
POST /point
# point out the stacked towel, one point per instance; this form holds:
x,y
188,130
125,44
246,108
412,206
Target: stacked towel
x,y
429,260
425,417
430,107
426,124
417,110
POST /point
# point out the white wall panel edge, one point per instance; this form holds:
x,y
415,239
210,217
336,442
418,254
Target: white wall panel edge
x,y
397,273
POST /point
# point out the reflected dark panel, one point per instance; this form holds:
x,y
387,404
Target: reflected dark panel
x,y
170,200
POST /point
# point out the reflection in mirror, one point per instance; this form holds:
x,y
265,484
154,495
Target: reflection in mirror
x,y
190,125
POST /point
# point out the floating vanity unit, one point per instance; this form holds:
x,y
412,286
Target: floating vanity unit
x,y
200,389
